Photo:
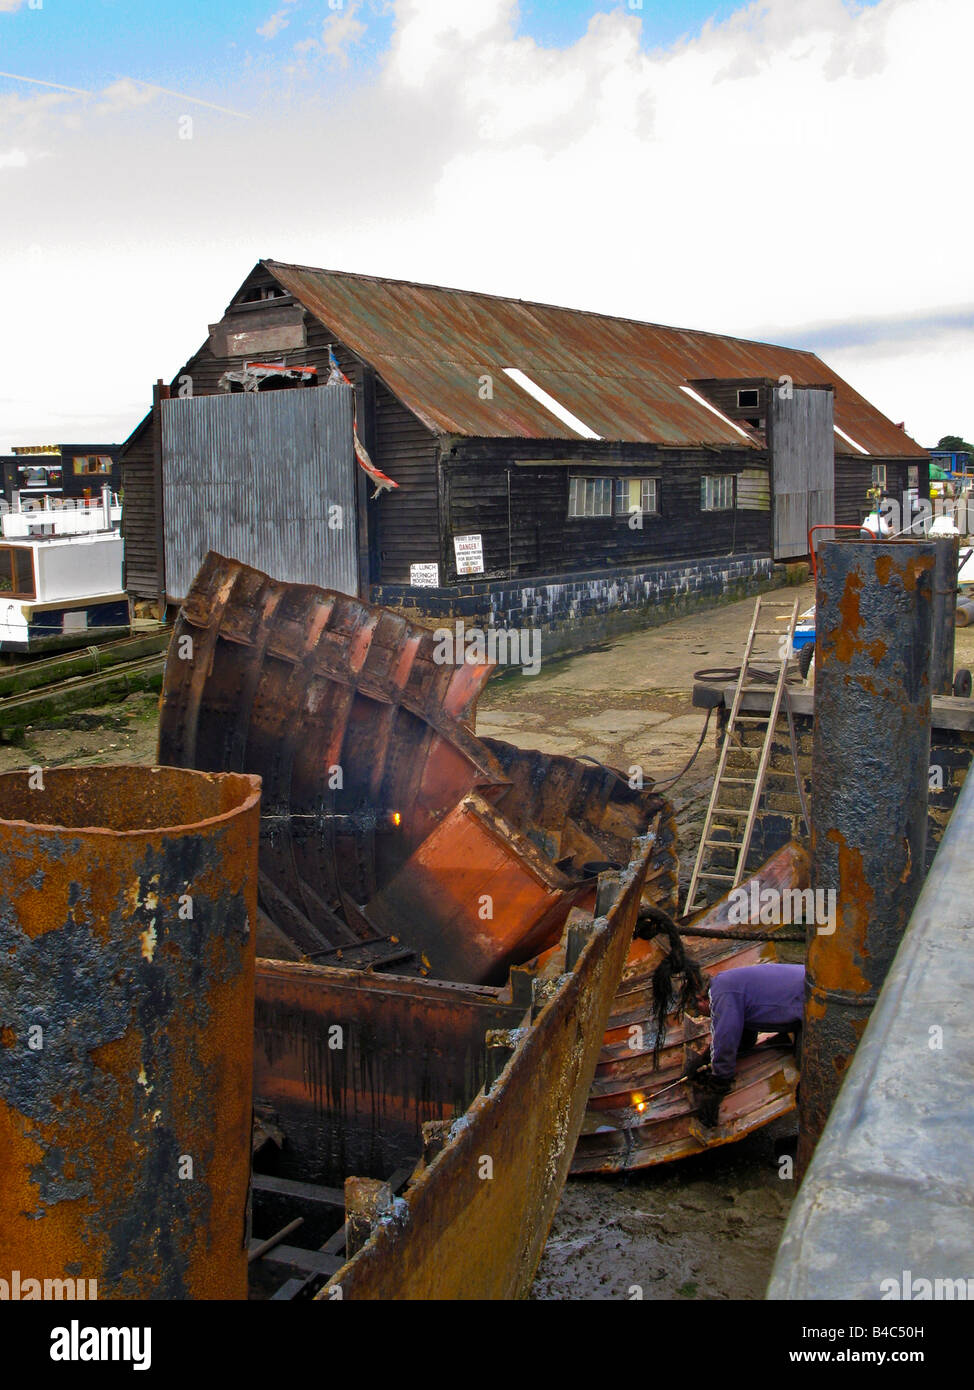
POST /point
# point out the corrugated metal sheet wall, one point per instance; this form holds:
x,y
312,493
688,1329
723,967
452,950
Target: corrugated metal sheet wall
x,y
266,478
803,461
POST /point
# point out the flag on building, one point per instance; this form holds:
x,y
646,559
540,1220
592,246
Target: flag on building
x,y
381,480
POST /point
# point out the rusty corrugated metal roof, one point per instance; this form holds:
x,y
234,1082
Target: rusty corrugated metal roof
x,y
622,378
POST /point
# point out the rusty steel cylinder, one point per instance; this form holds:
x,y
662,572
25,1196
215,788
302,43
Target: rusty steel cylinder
x,y
128,912
944,615
870,764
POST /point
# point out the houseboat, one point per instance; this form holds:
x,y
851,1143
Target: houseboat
x,y
61,579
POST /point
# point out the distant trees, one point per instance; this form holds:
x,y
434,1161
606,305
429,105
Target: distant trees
x,y
953,444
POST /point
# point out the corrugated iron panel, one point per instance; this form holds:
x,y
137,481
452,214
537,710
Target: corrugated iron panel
x,y
258,476
622,378
803,456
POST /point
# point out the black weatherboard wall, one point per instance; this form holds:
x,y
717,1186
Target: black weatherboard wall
x,y
500,468
512,494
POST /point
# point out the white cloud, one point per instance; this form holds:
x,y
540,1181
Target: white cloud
x,y
124,95
8,6
786,164
340,31
272,27
803,163
14,159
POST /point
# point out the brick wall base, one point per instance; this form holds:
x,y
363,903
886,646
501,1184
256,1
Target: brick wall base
x,y
574,611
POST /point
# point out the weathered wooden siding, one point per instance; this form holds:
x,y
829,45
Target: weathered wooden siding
x,y
723,394
140,523
853,479
541,538
405,522
76,484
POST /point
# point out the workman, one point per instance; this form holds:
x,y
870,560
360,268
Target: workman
x,y
742,1003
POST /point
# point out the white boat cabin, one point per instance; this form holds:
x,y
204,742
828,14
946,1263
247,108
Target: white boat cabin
x,y
61,591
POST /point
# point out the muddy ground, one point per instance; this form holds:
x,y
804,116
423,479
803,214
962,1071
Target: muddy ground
x,y
702,1228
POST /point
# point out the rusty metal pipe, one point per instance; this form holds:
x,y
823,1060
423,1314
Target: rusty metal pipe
x,y
870,757
944,615
127,925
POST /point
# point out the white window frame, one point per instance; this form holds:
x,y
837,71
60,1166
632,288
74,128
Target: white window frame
x,y
757,398
879,475
648,492
590,497
717,492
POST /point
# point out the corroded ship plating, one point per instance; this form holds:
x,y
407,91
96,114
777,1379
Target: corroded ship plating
x,y
380,806
444,922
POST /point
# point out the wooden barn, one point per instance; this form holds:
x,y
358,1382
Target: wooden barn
x,y
553,467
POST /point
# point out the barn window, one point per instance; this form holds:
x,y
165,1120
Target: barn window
x,y
590,497
16,571
637,495
260,293
879,475
717,492
747,399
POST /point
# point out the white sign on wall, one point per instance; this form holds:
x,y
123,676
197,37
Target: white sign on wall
x,y
469,553
424,576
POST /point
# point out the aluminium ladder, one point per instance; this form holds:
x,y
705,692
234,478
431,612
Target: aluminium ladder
x,y
746,684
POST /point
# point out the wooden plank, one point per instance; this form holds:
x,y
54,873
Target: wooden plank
x,y
299,1191
308,1261
288,1290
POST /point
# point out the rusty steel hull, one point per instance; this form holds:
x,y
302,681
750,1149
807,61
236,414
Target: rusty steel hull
x,y
343,712
126,1005
399,952
475,897
636,1116
363,740
409,1052
473,1222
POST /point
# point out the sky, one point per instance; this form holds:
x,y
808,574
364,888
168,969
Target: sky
x,y
791,170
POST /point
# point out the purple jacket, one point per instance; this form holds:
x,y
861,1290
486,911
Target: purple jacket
x,y
762,997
